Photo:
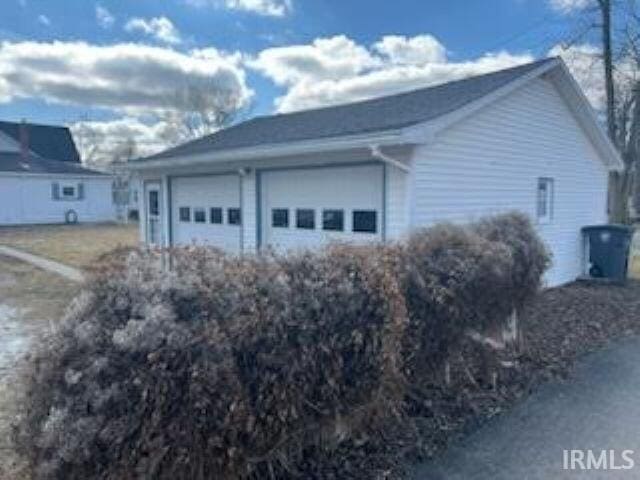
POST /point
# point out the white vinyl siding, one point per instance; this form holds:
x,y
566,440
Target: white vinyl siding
x,y
397,211
491,163
28,199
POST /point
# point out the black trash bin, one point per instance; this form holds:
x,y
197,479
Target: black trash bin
x,y
607,251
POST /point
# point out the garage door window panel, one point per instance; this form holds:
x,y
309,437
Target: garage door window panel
x,y
199,215
233,216
365,221
280,218
306,219
333,220
215,216
185,214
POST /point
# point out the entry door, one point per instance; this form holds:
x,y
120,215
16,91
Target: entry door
x,y
154,214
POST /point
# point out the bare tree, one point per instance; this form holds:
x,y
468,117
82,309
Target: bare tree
x,y
622,97
199,109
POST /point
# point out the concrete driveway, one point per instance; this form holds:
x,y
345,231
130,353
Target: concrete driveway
x,y
598,408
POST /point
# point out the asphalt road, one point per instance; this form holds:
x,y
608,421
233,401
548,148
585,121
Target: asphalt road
x,y
597,408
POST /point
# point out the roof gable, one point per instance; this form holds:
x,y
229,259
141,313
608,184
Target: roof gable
x,y
408,118
375,115
52,142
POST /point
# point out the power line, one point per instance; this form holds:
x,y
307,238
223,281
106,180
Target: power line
x,y
516,36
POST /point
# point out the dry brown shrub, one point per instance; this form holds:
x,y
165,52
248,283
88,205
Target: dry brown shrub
x,y
453,283
220,366
190,364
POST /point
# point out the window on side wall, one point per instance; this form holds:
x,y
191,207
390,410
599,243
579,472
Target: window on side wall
x,y
68,191
544,199
185,214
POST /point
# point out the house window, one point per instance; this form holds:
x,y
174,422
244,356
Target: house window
x,y
199,215
333,220
306,218
215,215
233,216
364,221
185,214
545,200
68,191
280,218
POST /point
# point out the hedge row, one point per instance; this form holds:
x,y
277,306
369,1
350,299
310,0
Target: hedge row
x,y
226,367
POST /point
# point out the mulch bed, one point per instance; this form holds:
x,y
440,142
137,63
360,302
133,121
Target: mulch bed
x,y
559,327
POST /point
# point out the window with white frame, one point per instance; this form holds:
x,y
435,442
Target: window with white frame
x,y
67,191
545,199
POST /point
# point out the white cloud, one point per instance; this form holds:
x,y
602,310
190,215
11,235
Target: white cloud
x,y
104,17
160,28
44,20
135,81
416,50
337,70
123,77
324,59
22,3
568,6
271,8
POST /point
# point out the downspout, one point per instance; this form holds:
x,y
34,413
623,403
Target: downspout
x,y
377,153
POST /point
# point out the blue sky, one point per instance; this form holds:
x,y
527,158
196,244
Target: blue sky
x,y
111,66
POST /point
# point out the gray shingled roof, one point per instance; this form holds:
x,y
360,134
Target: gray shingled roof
x,y
47,141
13,162
376,115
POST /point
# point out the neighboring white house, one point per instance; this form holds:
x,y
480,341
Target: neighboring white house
x,y
43,181
523,138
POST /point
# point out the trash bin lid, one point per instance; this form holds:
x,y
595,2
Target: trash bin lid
x,y
609,227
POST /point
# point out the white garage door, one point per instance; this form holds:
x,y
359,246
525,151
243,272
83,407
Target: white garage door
x,y
305,208
206,211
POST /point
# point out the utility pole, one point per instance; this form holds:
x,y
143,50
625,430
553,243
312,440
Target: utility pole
x,y
605,11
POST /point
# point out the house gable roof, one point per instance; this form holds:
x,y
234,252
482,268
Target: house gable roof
x,y
375,115
47,141
11,162
408,118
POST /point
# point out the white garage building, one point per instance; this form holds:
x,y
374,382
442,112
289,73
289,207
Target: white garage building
x,y
523,138
43,181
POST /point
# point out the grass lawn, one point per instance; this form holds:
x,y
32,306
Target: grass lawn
x,y
74,245
31,302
